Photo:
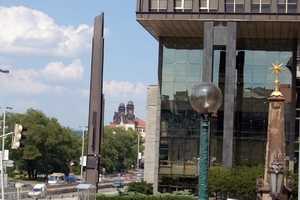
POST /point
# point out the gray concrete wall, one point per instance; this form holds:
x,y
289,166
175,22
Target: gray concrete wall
x,y
153,136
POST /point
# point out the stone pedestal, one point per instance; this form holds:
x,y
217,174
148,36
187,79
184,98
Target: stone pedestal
x,y
275,148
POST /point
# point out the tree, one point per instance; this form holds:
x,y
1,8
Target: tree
x,y
119,149
238,180
49,147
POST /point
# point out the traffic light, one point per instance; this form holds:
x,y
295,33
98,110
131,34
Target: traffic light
x,y
18,136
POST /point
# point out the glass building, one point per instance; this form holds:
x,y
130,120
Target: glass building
x,y
232,43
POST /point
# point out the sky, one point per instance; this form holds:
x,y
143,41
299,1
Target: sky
x,y
47,47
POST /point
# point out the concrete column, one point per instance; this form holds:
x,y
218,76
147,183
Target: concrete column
x,y
208,51
153,137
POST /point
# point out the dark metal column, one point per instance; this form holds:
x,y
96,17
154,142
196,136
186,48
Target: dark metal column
x,y
96,110
229,95
293,107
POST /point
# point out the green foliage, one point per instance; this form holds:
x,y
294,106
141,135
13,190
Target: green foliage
x,y
168,197
238,180
119,149
49,147
176,195
294,176
141,187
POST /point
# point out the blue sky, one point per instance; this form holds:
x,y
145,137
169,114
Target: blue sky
x,y
46,46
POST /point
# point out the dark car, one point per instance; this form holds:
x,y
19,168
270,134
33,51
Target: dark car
x,y
118,184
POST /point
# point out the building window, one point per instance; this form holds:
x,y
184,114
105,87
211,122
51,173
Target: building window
x,y
260,6
209,5
234,6
287,6
183,5
158,5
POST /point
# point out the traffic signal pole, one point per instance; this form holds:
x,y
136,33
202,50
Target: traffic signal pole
x,y
2,154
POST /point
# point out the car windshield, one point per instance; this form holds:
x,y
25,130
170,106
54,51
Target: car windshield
x,y
36,189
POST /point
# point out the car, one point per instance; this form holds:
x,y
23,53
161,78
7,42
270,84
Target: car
x,y
80,181
61,182
26,185
10,186
118,184
127,176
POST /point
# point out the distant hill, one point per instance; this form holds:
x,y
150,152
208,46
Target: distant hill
x,y
79,132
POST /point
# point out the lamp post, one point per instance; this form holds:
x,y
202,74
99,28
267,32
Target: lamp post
x,y
4,71
2,153
277,172
206,99
82,149
138,153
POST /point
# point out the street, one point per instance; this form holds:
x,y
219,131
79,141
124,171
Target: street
x,y
66,196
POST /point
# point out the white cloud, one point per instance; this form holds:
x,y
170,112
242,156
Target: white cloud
x,y
124,89
31,81
57,71
28,31
107,32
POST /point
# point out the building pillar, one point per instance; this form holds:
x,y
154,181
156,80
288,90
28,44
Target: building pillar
x,y
229,96
208,51
222,36
151,163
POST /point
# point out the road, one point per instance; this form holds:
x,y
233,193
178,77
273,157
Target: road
x,y
66,192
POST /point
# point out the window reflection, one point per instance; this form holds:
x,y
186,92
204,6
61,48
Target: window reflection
x,y
180,124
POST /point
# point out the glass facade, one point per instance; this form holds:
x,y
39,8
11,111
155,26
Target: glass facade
x,y
180,124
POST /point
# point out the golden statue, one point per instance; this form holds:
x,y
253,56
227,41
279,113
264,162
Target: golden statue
x,y
276,69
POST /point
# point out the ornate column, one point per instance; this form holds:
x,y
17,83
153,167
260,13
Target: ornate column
x,y
275,149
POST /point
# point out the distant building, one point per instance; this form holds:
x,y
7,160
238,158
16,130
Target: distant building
x,y
125,118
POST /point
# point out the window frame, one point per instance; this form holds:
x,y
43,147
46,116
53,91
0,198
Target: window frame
x,y
158,7
183,5
235,3
286,3
260,4
208,7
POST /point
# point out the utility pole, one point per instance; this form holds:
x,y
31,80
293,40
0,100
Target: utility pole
x,y
138,153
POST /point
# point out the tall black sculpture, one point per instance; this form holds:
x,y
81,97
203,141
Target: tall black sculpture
x,y
96,109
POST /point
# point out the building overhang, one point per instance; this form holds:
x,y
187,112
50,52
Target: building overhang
x,y
252,34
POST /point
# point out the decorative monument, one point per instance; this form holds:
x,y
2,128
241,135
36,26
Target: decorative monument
x,y
273,185
96,110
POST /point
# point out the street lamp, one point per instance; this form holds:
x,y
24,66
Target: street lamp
x,y
138,153
82,149
4,71
277,173
2,153
206,99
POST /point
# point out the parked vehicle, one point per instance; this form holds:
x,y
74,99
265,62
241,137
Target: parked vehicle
x,y
80,181
70,178
38,191
61,182
118,184
127,176
9,186
53,178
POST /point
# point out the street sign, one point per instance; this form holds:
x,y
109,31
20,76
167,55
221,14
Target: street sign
x,y
6,153
84,161
9,161
18,185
